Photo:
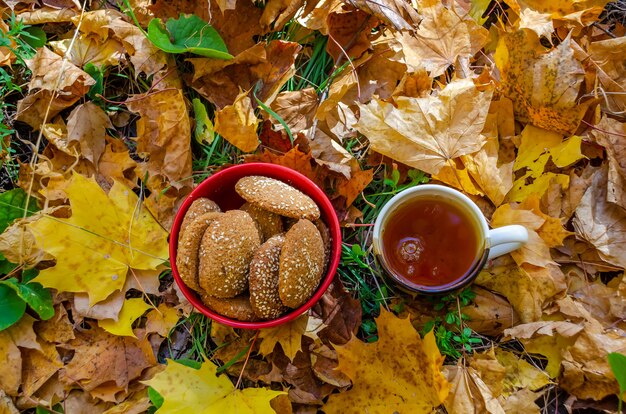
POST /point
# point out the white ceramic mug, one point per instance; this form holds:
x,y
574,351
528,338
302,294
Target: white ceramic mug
x,y
494,242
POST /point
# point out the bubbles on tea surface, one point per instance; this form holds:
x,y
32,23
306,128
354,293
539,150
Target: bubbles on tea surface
x,y
410,249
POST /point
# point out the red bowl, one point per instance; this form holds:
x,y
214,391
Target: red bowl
x,y
220,187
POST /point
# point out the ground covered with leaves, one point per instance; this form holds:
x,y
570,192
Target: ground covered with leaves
x,y
113,112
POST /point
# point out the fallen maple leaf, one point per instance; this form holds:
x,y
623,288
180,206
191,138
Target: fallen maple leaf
x,y
161,320
201,391
237,123
132,309
468,392
88,49
398,13
400,372
537,147
94,248
105,361
288,335
351,188
427,133
442,39
605,56
270,65
543,85
20,335
580,11
87,125
610,134
52,76
532,288
164,134
601,223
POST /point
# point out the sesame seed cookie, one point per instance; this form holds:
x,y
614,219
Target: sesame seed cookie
x,y
269,223
236,308
301,264
225,254
264,296
189,246
199,207
277,197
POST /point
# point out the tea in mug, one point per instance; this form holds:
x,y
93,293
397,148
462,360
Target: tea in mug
x,y
431,241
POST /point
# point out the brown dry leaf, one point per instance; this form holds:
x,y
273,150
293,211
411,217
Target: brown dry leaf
x,y
38,366
100,357
51,76
490,314
605,58
288,335
161,320
490,370
540,23
468,392
397,13
493,179
548,338
87,125
417,131
349,34
351,188
522,401
88,49
551,231
296,108
144,56
442,39
340,313
329,153
531,290
543,85
586,371
519,374
400,372
116,164
48,15
277,12
238,123
610,134
268,65
164,134
536,251
58,329
601,223
10,364
294,159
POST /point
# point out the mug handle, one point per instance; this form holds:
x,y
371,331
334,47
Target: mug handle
x,y
506,239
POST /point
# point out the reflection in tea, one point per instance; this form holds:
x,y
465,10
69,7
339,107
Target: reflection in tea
x,y
431,241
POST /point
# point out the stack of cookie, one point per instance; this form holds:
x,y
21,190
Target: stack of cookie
x,y
257,262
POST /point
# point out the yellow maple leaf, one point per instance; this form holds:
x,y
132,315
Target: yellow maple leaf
x,y
237,123
399,373
162,319
201,391
543,85
537,147
427,133
288,335
131,310
105,236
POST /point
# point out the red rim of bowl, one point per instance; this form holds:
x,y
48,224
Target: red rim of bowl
x,y
281,173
